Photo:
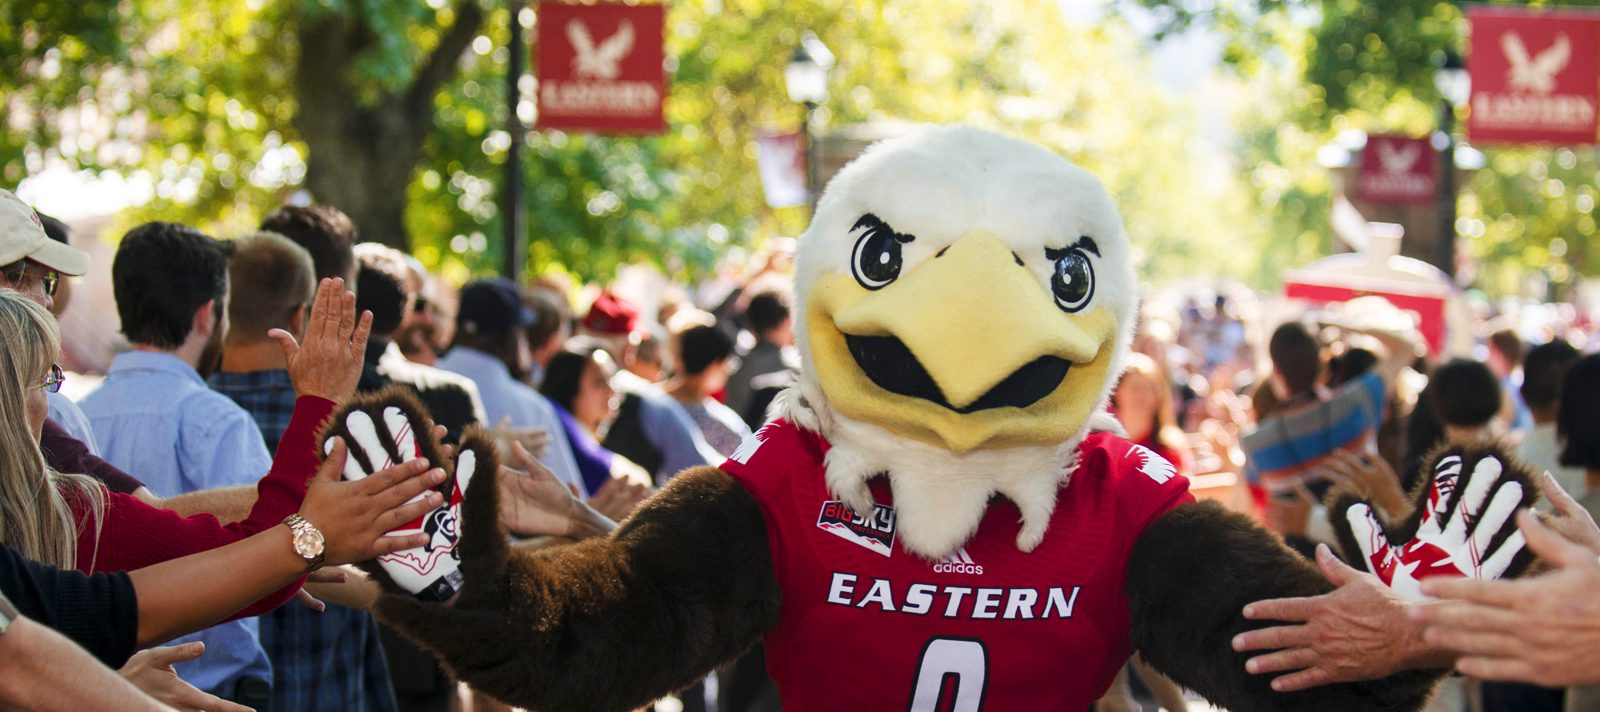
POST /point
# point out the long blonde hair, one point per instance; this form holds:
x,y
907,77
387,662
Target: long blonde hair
x,y
35,517
1164,426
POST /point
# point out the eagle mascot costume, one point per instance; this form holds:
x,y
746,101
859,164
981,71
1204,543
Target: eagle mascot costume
x,y
940,516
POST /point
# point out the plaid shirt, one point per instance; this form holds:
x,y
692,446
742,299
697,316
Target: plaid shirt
x,y
320,661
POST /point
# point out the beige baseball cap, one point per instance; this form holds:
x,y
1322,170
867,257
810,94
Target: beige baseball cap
x,y
22,237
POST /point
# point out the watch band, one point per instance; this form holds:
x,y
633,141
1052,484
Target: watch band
x,y
298,525
8,613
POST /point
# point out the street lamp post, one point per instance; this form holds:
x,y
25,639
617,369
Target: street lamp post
x,y
806,79
511,262
1453,83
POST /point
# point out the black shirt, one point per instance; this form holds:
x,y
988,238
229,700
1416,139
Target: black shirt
x,y
97,611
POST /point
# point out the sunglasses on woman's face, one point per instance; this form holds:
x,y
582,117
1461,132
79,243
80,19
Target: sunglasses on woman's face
x,y
52,383
19,273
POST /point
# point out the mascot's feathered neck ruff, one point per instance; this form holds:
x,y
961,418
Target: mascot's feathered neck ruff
x,y
965,302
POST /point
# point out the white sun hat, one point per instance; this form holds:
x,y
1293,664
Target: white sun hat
x,y
22,237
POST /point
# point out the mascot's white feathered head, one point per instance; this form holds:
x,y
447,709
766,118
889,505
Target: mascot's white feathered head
x,y
964,304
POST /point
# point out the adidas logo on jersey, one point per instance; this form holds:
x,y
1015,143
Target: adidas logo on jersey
x,y
958,562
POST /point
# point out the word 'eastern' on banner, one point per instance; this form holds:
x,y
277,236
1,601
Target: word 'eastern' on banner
x,y
1535,76
600,68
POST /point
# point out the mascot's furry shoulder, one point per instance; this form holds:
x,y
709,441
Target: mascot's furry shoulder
x,y
939,518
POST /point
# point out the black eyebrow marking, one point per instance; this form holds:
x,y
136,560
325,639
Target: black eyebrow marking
x,y
1084,243
873,222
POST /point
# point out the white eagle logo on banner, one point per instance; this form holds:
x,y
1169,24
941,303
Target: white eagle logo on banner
x,y
605,60
1398,161
1535,74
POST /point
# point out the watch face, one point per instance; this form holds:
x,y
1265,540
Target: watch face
x,y
308,543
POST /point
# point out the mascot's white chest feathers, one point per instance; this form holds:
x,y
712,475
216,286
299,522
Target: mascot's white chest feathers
x,y
964,303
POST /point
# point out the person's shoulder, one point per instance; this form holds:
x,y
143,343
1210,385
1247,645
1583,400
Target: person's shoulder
x,y
1367,384
208,411
529,399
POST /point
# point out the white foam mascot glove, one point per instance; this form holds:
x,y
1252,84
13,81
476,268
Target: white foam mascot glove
x,y
387,430
1462,527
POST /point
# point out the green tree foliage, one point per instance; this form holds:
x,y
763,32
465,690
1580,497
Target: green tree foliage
x,y
1322,67
209,105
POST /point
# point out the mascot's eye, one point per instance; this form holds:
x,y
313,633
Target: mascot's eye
x,y
1073,280
876,261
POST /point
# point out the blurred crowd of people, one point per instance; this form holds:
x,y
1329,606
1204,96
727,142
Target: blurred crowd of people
x,y
236,349
145,514
1271,415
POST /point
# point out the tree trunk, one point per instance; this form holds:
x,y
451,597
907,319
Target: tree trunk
x,y
361,157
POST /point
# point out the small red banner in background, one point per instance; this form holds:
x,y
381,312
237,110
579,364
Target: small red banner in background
x,y
1398,169
1535,75
600,68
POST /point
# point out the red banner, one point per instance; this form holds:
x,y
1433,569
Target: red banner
x,y
1535,75
600,68
1398,169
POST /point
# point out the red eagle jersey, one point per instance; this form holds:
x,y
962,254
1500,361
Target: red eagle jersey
x,y
868,626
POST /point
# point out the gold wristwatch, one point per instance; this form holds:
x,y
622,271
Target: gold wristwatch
x,y
307,540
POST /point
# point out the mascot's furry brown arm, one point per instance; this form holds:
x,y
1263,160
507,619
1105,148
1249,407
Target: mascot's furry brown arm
x,y
940,516
682,586
1460,523
1188,581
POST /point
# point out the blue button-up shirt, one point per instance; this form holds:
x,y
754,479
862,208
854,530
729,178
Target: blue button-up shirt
x,y
156,419
506,397
331,660
70,417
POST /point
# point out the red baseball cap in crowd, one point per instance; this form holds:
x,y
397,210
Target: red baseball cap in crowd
x,y
611,314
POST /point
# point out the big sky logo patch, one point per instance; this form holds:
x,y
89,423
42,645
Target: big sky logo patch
x,y
873,530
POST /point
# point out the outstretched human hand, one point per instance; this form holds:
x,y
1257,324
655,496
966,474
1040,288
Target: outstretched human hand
x,y
533,502
329,363
151,671
1544,629
1370,478
1567,517
1358,631
617,498
356,518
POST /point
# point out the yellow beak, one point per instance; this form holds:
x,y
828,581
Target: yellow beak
x,y
972,317
978,323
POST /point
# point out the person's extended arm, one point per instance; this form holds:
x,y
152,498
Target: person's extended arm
x,y
1359,630
227,504
183,595
45,672
533,503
